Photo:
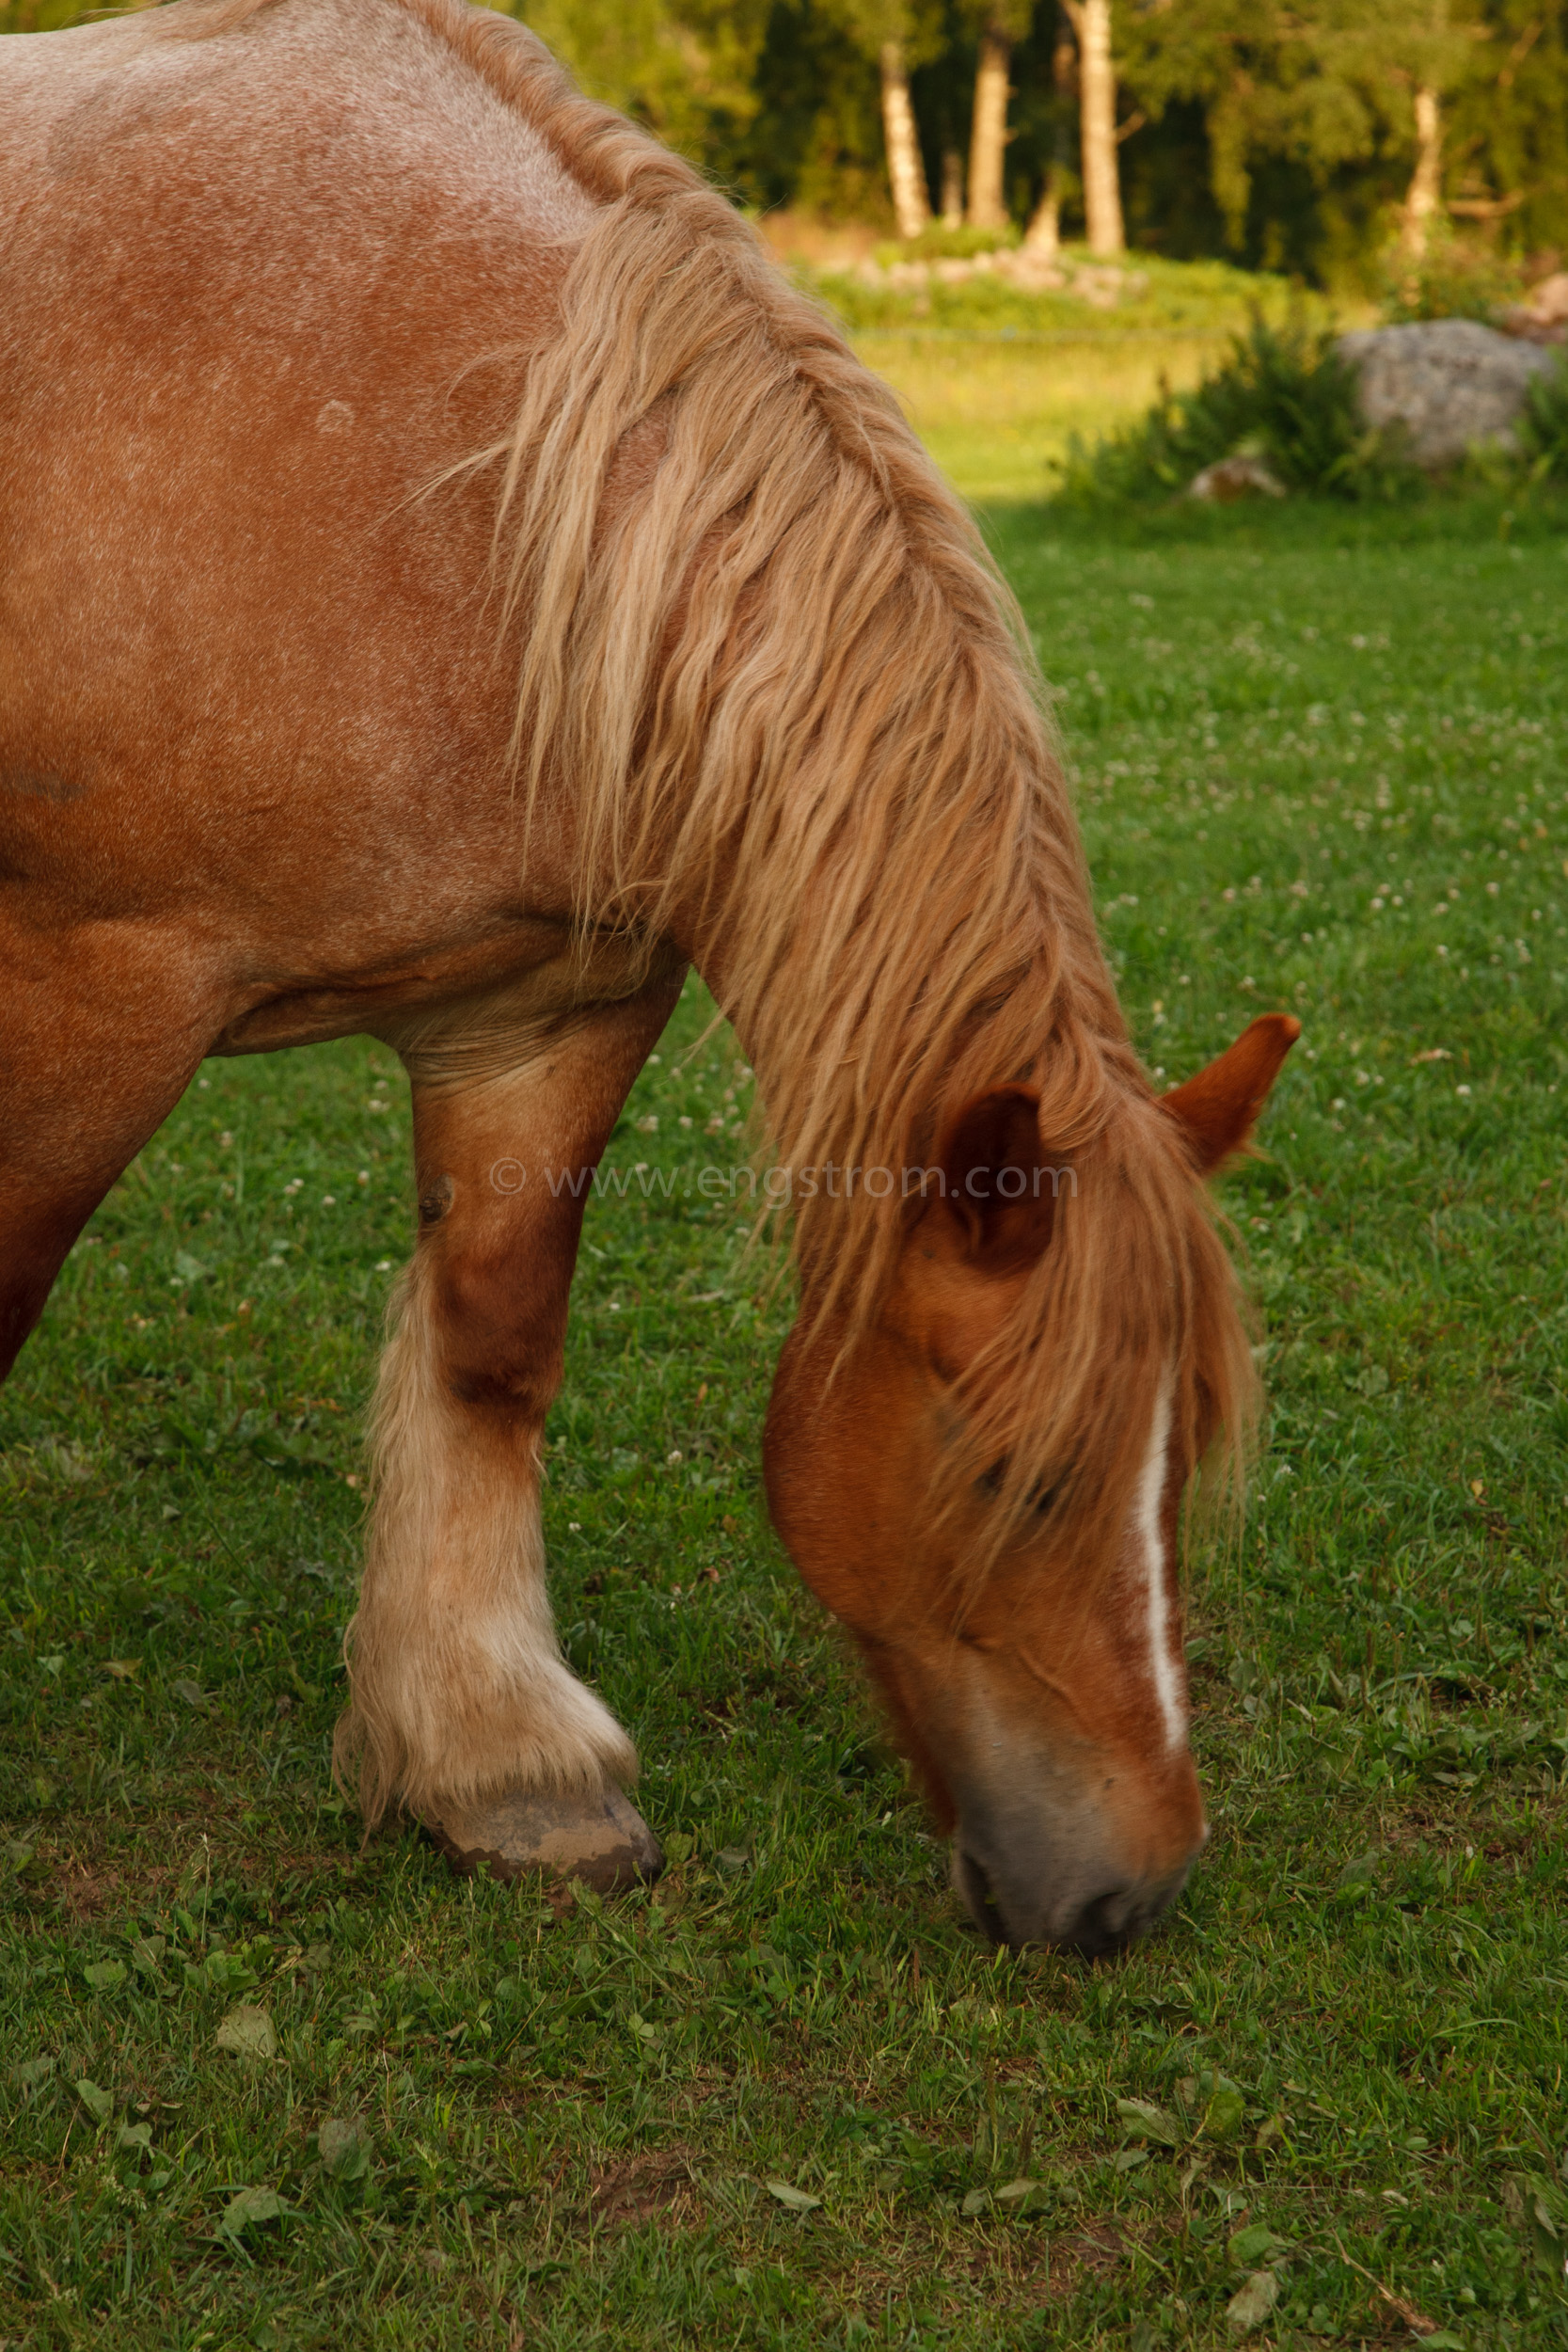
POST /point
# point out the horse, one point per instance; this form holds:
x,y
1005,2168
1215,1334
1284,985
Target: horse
x,y
453,585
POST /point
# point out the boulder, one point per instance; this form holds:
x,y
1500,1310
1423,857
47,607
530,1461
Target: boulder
x,y
1543,319
1449,382
1234,478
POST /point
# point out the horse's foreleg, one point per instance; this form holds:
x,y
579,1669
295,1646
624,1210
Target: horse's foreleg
x,y
462,1710
101,1027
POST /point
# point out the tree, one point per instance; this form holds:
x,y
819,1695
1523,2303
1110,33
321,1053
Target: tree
x,y
1234,58
1097,111
988,138
900,35
687,68
1044,236
906,171
1404,60
1507,160
1366,90
1003,23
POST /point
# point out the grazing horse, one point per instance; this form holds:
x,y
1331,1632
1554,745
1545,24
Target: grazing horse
x,y
451,584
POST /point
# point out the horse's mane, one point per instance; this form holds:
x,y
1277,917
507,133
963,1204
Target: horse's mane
x,y
790,702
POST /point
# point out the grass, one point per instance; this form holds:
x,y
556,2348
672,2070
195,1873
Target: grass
x,y
999,381
787,2099
999,413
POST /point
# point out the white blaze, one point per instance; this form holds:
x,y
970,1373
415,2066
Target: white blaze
x,y
1151,1490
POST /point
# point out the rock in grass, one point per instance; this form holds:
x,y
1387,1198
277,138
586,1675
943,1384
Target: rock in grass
x,y
1233,477
1543,319
1450,383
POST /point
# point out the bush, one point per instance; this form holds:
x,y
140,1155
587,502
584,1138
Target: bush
x,y
1282,395
1543,427
1454,281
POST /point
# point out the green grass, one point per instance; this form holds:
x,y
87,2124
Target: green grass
x,y
486,2124
999,381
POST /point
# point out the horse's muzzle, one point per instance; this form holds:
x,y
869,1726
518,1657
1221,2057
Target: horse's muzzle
x,y
1061,1888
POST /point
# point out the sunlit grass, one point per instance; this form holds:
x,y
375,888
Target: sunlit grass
x,y
997,413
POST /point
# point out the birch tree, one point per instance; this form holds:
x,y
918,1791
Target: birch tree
x,y
1335,84
1044,235
1097,114
899,35
988,138
1405,61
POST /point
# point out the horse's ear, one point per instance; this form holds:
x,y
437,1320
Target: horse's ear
x,y
1219,1109
996,1186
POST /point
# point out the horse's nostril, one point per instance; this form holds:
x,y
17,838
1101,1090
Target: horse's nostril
x,y
975,1886
1104,1926
1117,1919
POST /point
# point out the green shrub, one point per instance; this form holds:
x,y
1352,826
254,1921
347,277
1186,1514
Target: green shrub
x,y
1281,394
1543,426
1453,282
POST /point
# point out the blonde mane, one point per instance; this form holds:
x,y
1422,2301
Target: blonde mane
x,y
784,695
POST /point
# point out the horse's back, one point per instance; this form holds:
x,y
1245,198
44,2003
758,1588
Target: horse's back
x,y
308,115
256,290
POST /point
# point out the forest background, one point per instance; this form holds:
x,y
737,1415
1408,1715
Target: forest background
x,y
1306,137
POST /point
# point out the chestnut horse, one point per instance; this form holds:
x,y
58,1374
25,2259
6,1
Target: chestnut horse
x,y
451,584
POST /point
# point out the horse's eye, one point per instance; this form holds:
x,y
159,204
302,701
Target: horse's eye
x,y
991,1481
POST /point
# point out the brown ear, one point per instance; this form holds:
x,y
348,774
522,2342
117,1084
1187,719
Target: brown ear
x,y
996,1185
1220,1107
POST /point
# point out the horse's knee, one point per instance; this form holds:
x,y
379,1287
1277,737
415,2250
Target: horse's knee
x,y
500,1344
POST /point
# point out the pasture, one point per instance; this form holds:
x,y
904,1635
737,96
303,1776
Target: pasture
x,y
264,2088
998,381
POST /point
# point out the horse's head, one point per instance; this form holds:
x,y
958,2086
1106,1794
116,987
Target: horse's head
x,y
1038,1683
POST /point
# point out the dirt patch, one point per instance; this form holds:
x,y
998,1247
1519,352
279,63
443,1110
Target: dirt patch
x,y
655,2187
1089,2252
84,1892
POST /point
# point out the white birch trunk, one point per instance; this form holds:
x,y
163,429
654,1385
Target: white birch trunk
x,y
1096,88
905,169
952,188
1043,238
989,136
1425,199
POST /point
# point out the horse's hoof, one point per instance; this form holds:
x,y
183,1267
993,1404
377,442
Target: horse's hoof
x,y
601,1839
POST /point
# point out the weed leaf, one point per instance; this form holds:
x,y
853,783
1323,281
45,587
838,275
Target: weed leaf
x,y
798,2199
1253,2301
343,2154
250,2209
248,2032
1143,2119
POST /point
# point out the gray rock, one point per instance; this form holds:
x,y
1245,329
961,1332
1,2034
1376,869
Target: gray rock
x,y
1449,382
